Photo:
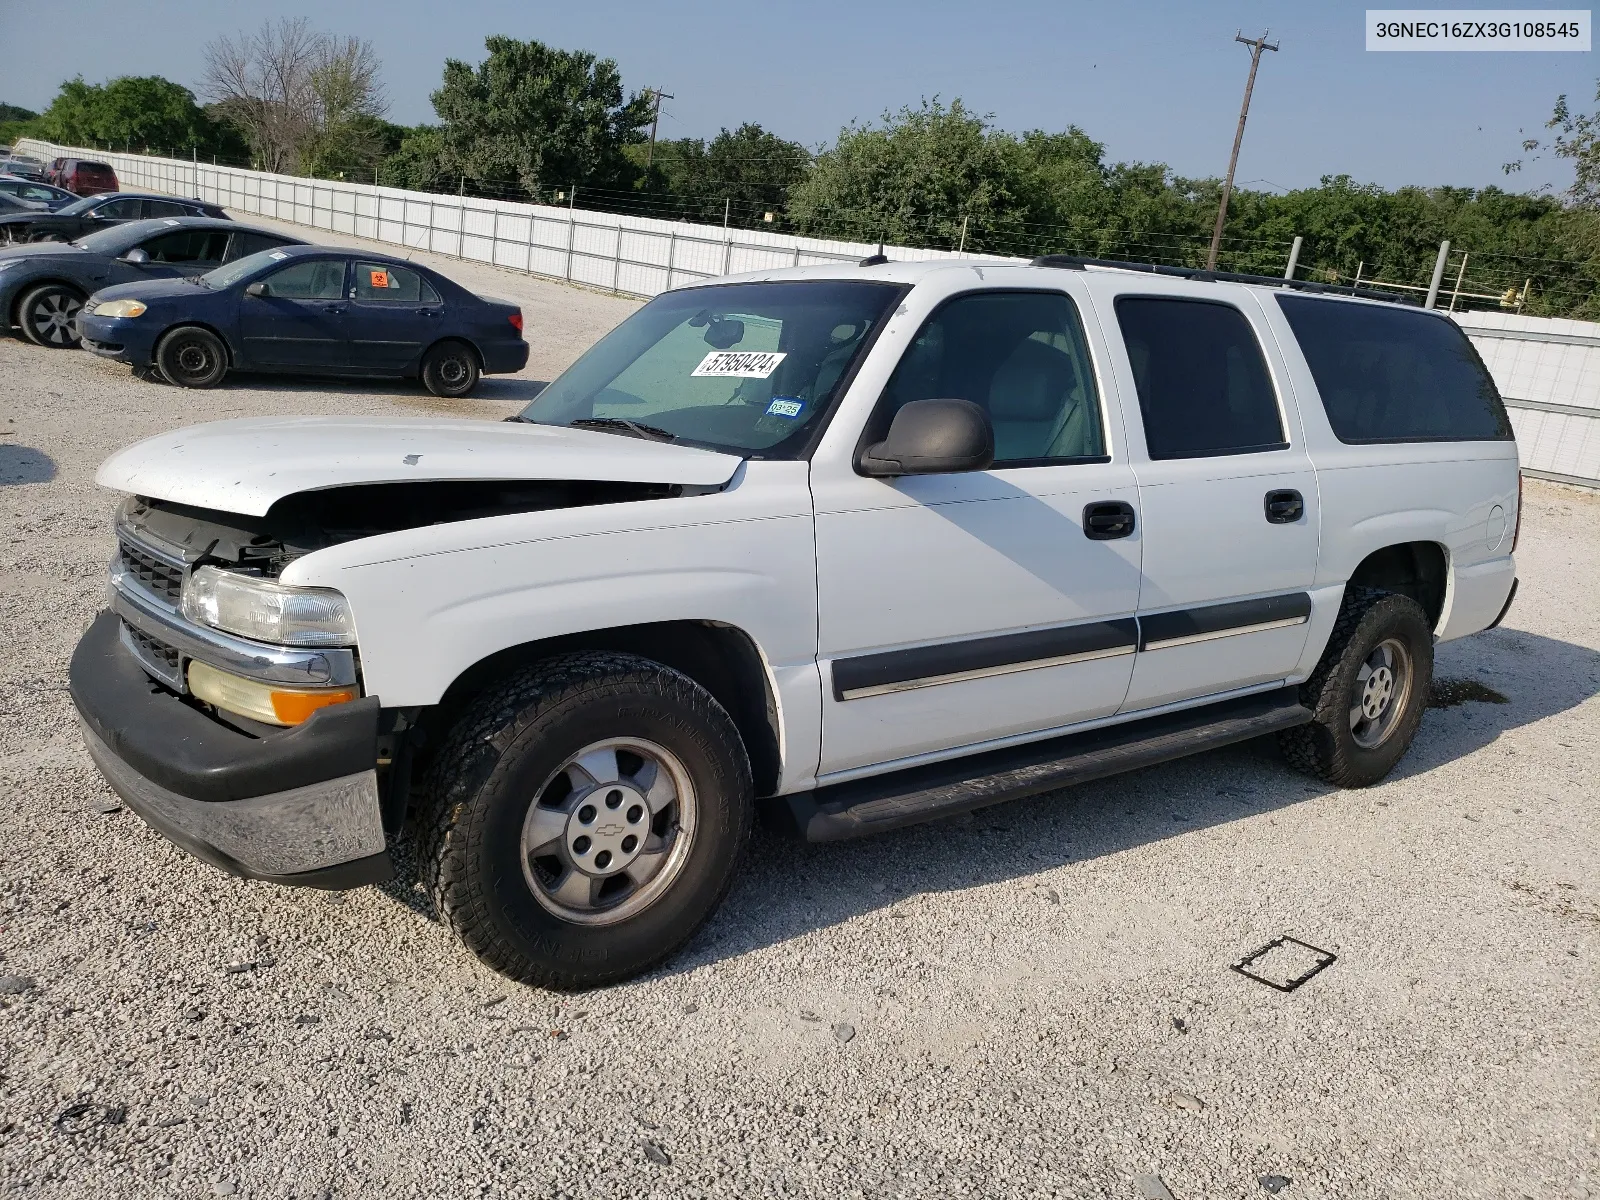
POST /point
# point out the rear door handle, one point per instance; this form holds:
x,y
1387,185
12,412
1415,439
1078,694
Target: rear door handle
x,y
428,312
1285,507
1106,520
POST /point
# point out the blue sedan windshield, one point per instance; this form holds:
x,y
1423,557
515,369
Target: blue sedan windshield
x,y
250,264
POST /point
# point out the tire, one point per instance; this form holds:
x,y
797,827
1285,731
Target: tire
x,y
192,357
450,369
1368,693
509,818
49,316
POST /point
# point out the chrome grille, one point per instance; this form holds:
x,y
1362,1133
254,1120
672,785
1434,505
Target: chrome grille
x,y
157,657
156,576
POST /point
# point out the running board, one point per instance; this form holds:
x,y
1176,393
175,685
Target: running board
x,y
884,802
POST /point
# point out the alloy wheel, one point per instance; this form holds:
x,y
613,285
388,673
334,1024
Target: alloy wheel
x,y
609,831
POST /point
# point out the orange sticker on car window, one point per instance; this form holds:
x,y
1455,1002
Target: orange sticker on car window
x,y
380,279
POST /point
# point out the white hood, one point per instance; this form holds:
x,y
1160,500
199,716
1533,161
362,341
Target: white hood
x,y
245,466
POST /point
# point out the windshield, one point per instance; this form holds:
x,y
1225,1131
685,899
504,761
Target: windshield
x,y
224,277
78,207
118,238
746,367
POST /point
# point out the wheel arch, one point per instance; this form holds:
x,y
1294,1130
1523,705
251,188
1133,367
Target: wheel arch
x,y
441,340
721,658
1418,569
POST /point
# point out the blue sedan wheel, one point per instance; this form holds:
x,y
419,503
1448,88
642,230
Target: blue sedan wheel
x,y
450,369
192,357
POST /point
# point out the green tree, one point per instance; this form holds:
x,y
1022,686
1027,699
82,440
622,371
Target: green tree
x,y
142,111
915,180
534,118
746,172
417,163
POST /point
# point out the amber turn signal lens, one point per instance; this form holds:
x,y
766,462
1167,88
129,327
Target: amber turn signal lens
x,y
294,707
262,701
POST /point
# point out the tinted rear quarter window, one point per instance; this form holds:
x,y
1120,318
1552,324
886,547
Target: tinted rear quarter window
x,y
1389,374
1203,384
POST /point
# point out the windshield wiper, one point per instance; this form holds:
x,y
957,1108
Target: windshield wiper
x,y
619,425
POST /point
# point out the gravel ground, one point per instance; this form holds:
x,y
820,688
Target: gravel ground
x,y
1032,1002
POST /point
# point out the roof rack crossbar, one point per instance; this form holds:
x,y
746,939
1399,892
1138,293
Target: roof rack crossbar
x,y
1074,262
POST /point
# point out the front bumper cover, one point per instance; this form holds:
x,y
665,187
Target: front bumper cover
x,y
297,807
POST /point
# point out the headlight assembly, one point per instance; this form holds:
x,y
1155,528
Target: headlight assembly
x,y
119,308
265,611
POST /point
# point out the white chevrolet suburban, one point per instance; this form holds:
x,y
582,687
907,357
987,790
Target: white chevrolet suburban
x,y
859,546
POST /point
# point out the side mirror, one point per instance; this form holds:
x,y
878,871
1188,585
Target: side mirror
x,y
933,437
257,289
136,256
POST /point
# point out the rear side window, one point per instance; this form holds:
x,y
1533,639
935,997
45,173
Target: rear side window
x,y
1203,384
252,243
1390,374
384,281
165,208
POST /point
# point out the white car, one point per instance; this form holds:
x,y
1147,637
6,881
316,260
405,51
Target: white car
x,y
863,545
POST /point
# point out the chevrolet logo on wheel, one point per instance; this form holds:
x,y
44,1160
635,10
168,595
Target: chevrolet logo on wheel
x,y
607,830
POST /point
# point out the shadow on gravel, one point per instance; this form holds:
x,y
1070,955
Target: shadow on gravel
x,y
24,464
788,888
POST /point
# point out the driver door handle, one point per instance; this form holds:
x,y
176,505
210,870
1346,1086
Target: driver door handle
x,y
1106,520
1284,507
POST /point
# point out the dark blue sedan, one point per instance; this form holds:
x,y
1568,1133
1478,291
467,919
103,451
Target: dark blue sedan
x,y
309,310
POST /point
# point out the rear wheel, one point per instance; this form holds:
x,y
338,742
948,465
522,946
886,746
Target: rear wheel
x,y
585,819
450,369
1368,693
49,316
192,357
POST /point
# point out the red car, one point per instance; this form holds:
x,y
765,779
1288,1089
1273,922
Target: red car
x,y
83,176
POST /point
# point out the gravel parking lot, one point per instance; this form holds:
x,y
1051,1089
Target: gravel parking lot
x,y
1033,1002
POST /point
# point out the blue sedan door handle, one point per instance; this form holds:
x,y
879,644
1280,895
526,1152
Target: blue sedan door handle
x,y
334,309
427,312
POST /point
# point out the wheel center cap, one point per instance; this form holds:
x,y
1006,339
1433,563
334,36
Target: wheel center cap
x,y
1376,694
607,829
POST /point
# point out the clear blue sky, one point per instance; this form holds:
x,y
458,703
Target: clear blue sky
x,y
1153,80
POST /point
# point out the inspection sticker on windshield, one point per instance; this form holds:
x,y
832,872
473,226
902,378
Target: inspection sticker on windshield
x,y
782,406
277,254
740,364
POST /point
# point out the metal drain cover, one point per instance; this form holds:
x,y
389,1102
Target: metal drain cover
x,y
1285,963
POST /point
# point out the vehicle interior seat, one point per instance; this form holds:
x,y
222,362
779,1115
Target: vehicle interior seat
x,y
1036,404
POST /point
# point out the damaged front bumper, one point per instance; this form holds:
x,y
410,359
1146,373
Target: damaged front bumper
x,y
297,807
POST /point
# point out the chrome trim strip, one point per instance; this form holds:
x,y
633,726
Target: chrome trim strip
x,y
1571,410
253,660
146,541
1191,639
908,685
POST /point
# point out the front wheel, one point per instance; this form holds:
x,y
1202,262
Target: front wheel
x,y
1368,693
50,316
192,357
450,369
585,818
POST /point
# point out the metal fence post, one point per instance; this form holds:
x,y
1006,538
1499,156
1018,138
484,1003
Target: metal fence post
x,y
672,248
616,259
1456,295
1294,257
572,220
1438,274
494,236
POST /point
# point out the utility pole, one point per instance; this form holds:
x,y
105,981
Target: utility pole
x,y
657,95
1257,45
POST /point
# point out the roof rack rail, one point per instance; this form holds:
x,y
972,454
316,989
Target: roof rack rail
x,y
1073,262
